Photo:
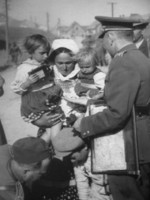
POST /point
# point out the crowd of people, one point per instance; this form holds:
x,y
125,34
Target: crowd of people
x,y
57,85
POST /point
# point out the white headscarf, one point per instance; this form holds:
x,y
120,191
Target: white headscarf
x,y
65,43
73,47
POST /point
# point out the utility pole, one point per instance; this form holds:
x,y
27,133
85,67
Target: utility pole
x,y
6,29
47,22
112,8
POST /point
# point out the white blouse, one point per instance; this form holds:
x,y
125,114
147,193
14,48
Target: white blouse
x,y
22,74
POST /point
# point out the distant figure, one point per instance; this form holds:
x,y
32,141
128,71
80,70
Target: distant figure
x,y
141,43
15,52
2,134
2,45
2,81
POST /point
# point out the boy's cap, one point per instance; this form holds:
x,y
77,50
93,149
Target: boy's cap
x,y
29,150
65,43
141,25
66,142
115,24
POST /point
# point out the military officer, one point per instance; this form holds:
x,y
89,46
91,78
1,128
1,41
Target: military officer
x,y
127,84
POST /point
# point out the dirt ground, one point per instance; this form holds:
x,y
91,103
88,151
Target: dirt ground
x,y
13,124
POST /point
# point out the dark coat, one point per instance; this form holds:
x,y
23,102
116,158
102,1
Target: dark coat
x,y
127,82
144,48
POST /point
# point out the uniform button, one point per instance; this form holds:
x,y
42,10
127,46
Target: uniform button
x,y
84,134
88,131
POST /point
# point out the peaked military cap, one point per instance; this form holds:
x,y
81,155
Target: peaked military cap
x,y
140,25
115,23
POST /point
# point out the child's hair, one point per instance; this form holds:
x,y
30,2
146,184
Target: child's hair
x,y
33,42
59,51
86,54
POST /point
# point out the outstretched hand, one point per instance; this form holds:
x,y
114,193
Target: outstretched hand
x,y
77,124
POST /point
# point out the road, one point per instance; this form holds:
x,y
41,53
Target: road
x,y
13,124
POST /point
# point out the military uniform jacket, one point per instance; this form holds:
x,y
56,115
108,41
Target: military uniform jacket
x,y
144,47
127,83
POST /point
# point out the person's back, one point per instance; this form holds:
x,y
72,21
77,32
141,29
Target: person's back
x,y
15,52
23,162
10,188
6,180
140,65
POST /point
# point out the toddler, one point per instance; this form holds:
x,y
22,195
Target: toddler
x,y
91,84
34,82
91,79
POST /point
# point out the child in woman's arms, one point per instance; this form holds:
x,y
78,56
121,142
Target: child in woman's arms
x,y
34,81
91,79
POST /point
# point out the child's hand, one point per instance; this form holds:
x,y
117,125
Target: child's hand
x,y
33,78
80,157
30,80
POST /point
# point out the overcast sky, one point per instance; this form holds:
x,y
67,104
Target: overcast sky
x,y
82,11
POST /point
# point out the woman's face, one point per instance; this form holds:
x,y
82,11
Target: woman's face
x,y
64,63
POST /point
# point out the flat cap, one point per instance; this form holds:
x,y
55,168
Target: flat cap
x,y
29,150
66,142
115,23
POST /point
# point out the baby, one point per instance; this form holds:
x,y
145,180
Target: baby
x,y
91,79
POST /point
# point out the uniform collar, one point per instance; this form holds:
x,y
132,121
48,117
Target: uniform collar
x,y
138,44
127,48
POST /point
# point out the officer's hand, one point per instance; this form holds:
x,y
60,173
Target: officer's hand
x,y
78,158
77,124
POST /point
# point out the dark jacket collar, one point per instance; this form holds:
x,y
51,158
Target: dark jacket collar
x,y
128,47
